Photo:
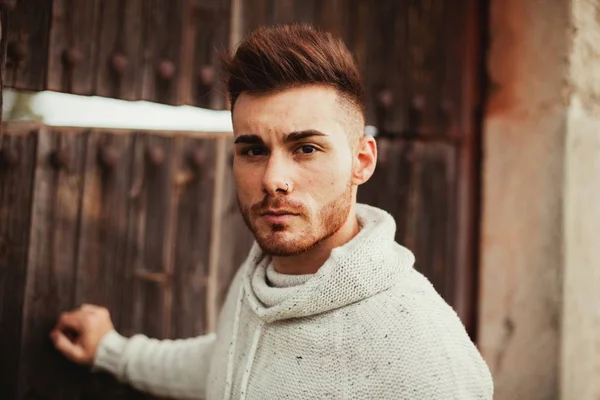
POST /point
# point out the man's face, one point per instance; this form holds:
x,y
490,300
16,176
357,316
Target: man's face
x,y
294,167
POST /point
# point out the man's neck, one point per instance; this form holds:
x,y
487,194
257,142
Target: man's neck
x,y
310,261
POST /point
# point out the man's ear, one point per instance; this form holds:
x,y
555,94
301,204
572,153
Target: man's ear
x,y
365,160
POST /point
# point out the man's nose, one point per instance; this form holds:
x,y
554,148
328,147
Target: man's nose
x,y
277,177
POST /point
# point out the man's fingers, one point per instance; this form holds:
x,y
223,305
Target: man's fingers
x,y
88,307
69,321
77,333
93,309
71,350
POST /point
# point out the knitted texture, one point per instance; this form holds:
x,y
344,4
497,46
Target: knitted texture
x,y
367,325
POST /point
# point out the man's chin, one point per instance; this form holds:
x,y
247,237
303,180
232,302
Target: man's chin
x,y
279,244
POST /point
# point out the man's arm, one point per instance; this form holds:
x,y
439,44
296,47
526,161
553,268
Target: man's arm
x,y
172,368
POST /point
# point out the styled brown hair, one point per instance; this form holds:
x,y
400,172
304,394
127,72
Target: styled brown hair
x,y
282,57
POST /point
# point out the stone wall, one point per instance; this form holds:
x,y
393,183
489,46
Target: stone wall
x,y
522,201
580,368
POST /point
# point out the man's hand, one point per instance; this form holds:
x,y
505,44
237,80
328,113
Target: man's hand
x,y
78,333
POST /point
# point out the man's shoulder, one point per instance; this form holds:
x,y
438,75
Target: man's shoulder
x,y
410,307
409,329
411,294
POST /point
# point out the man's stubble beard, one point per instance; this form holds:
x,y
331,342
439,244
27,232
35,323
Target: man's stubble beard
x,y
329,221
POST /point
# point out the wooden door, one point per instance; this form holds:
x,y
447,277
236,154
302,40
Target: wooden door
x,y
145,222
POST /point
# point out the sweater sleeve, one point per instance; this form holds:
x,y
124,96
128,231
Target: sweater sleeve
x,y
171,368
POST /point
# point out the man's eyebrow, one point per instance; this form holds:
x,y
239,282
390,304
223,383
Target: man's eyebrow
x,y
248,139
295,136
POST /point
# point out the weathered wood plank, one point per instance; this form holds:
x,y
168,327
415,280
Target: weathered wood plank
x,y
3,48
103,242
150,236
386,66
463,115
131,308
329,15
194,185
27,53
255,14
426,25
436,227
235,239
58,185
456,42
163,45
73,46
120,49
210,20
17,160
293,11
140,193
420,192
160,162
389,187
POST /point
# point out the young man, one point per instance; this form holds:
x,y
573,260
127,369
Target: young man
x,y
327,304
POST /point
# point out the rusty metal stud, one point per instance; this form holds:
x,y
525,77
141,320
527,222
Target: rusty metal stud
x,y
60,159
385,98
383,149
447,105
418,102
207,75
156,155
119,62
197,157
7,5
9,157
72,57
108,156
16,51
166,69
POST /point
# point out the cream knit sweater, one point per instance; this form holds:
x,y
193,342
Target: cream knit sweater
x,y
365,326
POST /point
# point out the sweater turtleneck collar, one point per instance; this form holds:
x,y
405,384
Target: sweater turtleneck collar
x,y
369,263
277,280
272,287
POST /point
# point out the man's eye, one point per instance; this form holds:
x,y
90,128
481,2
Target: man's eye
x,y
254,151
306,149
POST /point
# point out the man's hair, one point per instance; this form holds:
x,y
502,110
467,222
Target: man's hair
x,y
281,57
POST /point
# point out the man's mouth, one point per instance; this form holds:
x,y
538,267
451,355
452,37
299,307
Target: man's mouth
x,y
277,216
277,212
